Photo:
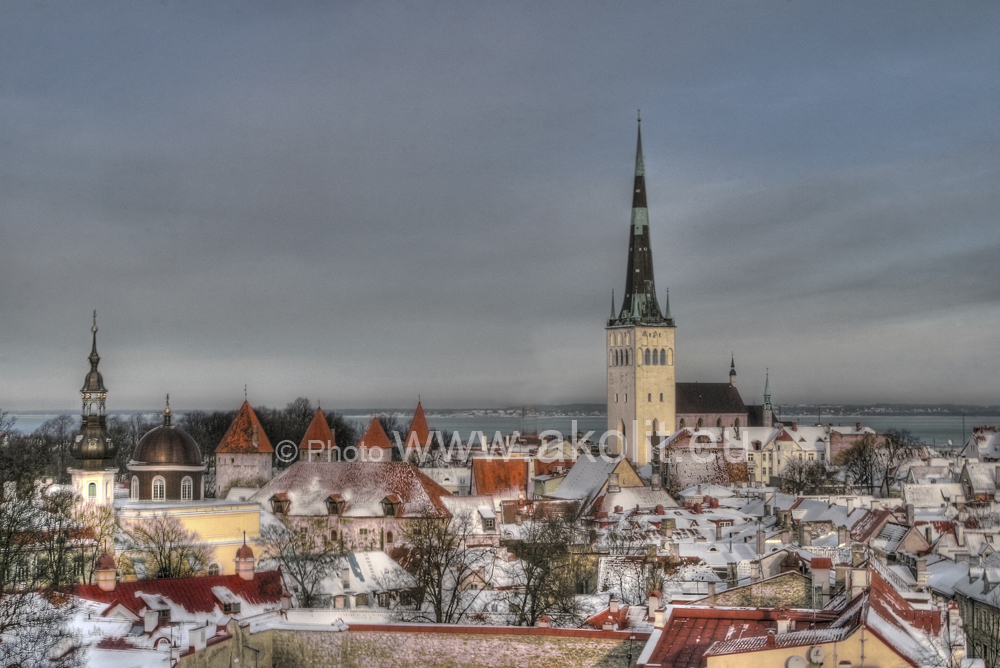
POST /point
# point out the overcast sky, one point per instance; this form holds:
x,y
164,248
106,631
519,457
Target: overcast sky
x,y
363,202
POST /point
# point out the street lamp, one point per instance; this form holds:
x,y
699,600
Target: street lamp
x,y
630,639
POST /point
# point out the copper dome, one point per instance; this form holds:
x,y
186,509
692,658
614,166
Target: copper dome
x,y
244,552
167,445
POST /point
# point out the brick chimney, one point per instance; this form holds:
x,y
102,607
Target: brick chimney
x,y
770,638
761,542
910,514
245,560
106,571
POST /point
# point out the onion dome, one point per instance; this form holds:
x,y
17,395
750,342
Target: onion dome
x,y
167,445
245,552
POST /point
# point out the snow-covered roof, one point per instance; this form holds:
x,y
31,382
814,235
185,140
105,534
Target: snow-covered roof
x,y
363,486
585,480
932,495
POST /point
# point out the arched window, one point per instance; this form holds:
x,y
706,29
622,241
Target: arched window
x,y
670,356
661,397
737,423
645,357
187,489
92,490
333,535
388,537
649,397
663,357
682,423
159,489
628,357
718,423
214,569
699,423
656,358
135,488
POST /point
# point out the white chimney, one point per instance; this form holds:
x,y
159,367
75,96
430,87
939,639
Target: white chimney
x,y
197,638
614,605
150,618
850,505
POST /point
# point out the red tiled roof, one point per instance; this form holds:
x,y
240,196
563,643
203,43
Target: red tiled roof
x,y
821,562
193,594
418,427
375,436
318,430
870,525
546,467
239,436
884,598
619,619
493,476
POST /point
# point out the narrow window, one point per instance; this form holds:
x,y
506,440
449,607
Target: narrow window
x,y
159,489
645,357
656,358
663,357
333,535
649,397
626,397
670,356
661,397
135,488
682,423
187,489
92,490
388,537
718,423
699,423
616,397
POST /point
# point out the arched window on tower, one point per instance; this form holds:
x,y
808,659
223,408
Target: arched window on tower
x,y
628,357
663,357
159,488
670,356
92,490
187,489
656,358
645,357
135,488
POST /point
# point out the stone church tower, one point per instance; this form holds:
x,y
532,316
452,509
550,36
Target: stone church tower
x,y
640,344
94,477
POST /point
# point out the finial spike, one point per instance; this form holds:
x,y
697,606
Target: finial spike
x,y
638,116
94,328
245,392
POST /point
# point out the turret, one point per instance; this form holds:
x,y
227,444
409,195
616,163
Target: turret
x,y
732,370
245,560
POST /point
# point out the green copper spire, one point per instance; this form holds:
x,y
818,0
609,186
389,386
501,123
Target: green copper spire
x,y
640,305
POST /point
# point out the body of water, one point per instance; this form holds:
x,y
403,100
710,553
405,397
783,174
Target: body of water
x,y
930,429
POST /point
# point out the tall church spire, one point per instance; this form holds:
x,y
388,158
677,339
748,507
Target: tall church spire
x,y
92,445
640,305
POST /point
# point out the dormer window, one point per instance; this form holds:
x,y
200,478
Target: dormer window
x,y
231,608
335,504
490,524
163,614
280,504
391,505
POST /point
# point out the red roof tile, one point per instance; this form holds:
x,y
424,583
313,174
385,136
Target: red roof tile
x,y
375,437
240,435
619,619
193,594
493,476
318,430
418,427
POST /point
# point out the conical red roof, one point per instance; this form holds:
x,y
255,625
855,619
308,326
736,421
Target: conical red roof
x,y
375,436
241,435
319,430
418,426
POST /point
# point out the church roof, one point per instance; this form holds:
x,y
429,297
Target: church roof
x,y
318,430
375,436
493,476
693,398
241,436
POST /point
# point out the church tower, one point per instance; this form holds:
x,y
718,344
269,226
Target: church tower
x,y
93,449
640,343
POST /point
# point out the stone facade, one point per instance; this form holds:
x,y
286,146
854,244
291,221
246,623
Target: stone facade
x,y
510,648
240,466
641,396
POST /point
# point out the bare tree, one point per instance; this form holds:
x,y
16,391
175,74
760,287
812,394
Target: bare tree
x,y
804,477
861,463
102,523
166,548
447,565
543,578
34,614
897,447
303,558
56,436
626,568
